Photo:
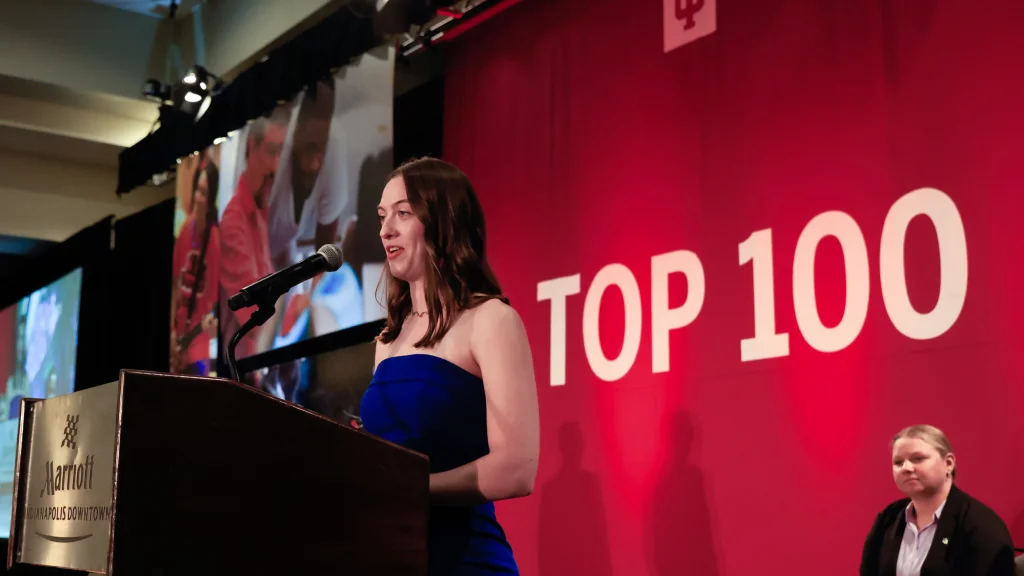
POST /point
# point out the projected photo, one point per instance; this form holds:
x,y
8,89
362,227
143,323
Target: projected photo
x,y
38,343
308,174
196,266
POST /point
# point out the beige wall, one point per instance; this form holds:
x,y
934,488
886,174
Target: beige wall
x,y
81,45
52,199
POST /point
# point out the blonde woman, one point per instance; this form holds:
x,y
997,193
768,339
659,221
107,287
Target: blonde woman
x,y
938,528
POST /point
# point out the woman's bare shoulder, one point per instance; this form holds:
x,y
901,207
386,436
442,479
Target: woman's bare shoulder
x,y
495,316
495,312
380,352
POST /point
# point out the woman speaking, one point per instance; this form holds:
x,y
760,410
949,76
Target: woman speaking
x,y
453,376
937,529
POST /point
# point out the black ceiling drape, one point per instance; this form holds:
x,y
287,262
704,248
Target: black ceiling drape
x,y
257,91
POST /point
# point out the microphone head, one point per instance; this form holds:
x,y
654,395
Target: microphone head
x,y
332,254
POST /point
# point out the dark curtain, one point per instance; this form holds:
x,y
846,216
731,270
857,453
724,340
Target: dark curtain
x,y
22,276
419,122
96,361
140,311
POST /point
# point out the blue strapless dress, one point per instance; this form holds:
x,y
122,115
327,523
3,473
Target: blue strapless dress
x,y
430,405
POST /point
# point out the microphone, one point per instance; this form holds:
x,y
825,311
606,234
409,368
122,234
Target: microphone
x,y
266,290
264,293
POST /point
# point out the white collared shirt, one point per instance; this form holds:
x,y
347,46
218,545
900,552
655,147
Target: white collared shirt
x,y
916,543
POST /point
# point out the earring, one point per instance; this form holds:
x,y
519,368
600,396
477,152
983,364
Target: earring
x,y
948,474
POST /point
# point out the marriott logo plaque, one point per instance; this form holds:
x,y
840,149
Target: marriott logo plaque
x,y
67,506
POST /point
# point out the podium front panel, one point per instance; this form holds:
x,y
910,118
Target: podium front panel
x,y
164,474
65,505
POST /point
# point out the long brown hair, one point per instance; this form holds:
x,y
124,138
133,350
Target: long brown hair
x,y
457,275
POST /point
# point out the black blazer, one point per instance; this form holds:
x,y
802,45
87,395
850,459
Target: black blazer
x,y
978,542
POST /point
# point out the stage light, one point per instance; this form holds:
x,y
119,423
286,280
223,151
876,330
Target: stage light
x,y
155,90
413,50
445,20
191,96
204,107
449,13
201,76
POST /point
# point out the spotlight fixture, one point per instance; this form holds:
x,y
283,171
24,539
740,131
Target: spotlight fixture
x,y
155,90
199,82
192,95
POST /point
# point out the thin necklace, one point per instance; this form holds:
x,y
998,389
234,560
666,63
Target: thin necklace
x,y
415,313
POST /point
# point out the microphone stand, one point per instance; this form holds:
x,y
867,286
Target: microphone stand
x,y
264,311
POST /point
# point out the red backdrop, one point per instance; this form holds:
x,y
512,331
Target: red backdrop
x,y
591,146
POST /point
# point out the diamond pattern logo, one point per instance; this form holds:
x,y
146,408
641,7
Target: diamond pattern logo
x,y
70,432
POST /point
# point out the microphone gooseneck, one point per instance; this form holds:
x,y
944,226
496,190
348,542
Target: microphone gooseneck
x,y
264,293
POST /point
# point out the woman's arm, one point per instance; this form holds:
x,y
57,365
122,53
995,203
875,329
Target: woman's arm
x,y
990,550
500,347
1002,562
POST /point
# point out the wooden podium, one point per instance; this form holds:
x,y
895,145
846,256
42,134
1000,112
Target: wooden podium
x,y
165,474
